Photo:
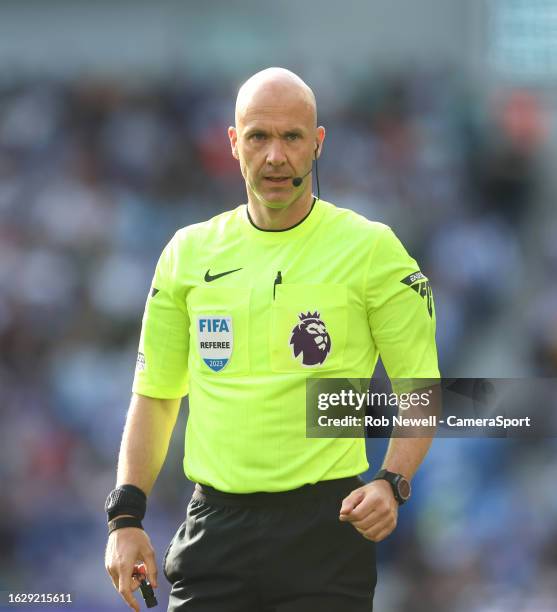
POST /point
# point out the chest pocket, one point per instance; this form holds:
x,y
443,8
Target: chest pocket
x,y
308,327
219,330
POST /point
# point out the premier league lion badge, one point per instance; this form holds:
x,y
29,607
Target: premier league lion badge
x,y
311,339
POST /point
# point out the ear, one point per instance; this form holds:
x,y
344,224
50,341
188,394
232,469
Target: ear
x,y
320,137
233,136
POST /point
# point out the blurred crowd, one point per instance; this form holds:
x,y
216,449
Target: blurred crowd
x,y
95,177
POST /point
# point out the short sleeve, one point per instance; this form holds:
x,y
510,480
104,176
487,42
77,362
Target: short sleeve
x,y
161,369
401,311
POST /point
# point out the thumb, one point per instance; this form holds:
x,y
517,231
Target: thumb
x,y
351,501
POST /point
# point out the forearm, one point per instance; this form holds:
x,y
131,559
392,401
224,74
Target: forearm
x,y
147,433
408,446
405,455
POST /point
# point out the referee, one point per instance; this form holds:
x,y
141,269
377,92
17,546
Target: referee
x,y
244,308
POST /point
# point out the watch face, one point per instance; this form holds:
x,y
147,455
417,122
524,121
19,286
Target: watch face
x,y
404,488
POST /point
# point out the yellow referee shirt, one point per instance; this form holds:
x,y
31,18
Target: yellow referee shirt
x,y
240,317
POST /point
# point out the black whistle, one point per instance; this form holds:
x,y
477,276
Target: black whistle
x,y
146,590
148,593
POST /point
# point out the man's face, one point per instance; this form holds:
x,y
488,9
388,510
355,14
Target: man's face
x,y
275,139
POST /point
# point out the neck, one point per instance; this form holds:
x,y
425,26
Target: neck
x,y
279,218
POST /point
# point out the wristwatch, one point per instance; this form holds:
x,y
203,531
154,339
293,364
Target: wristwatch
x,y
400,486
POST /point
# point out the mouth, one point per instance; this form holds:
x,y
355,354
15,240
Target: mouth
x,y
278,180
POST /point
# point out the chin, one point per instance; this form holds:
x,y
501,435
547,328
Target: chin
x,y
276,204
274,201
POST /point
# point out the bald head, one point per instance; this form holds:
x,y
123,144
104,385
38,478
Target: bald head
x,y
272,87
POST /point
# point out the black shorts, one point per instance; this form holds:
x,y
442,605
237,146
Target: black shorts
x,y
270,552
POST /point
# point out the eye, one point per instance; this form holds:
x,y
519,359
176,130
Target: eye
x,y
292,137
257,136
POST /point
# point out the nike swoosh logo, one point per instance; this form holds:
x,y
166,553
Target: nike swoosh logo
x,y
211,277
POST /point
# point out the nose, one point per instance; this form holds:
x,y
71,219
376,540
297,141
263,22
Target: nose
x,y
275,153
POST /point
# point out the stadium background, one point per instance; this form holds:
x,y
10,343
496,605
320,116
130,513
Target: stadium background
x,y
440,121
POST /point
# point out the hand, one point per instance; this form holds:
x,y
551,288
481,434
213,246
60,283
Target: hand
x,y
124,548
372,510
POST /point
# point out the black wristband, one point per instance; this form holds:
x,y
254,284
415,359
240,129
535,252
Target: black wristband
x,y
126,499
123,521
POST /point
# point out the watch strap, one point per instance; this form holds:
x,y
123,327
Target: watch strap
x,y
383,475
393,479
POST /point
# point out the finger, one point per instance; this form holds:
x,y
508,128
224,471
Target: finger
x,y
369,508
351,501
371,520
368,505
379,513
109,567
114,576
125,588
377,524
135,584
151,567
379,537
375,501
378,532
